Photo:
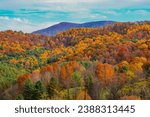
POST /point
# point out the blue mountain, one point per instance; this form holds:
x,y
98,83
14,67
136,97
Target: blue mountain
x,y
63,26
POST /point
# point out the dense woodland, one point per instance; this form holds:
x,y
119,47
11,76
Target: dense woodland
x,y
105,63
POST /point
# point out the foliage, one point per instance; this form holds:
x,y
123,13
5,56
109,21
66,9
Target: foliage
x,y
110,62
8,75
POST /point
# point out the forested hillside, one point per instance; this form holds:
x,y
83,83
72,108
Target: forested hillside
x,y
111,62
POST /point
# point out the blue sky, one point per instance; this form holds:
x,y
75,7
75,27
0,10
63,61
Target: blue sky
x,y
31,15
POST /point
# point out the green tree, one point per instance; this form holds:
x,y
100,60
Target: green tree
x,y
52,88
124,69
20,97
29,90
76,79
76,82
40,91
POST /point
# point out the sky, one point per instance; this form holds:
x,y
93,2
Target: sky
x,y
32,15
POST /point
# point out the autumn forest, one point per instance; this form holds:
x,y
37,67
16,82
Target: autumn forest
x,y
104,63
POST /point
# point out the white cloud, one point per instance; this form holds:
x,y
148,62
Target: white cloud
x,y
142,12
138,12
111,12
4,18
13,19
85,16
98,16
19,24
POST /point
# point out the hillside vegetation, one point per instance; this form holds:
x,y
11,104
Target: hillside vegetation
x,y
111,62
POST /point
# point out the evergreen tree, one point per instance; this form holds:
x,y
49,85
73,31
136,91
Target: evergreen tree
x,y
28,90
52,87
39,90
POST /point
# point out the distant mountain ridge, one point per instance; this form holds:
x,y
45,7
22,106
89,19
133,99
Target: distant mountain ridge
x,y
63,26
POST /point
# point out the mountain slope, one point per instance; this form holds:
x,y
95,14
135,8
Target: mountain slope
x,y
63,26
96,24
111,62
52,30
